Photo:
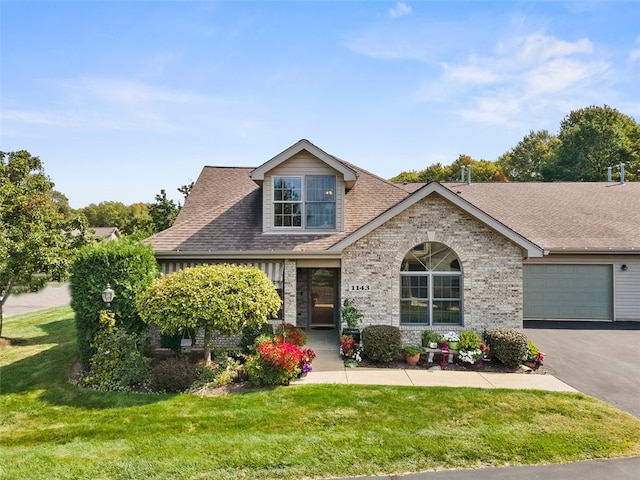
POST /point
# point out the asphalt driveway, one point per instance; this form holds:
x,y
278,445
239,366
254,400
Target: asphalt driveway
x,y
601,359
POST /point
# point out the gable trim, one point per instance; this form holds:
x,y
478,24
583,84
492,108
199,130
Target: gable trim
x,y
531,249
257,175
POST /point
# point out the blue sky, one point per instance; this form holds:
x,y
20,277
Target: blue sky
x,y
122,99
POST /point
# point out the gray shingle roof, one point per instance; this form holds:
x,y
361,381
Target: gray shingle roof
x,y
224,214
561,216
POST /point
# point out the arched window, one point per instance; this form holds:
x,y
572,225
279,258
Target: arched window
x,y
430,282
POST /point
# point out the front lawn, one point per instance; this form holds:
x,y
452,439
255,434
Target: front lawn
x,y
52,429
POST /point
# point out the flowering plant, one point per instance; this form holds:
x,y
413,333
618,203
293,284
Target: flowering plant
x,y
349,348
291,334
308,355
470,356
451,337
534,356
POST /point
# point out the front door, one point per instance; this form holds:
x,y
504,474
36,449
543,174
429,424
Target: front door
x,y
324,290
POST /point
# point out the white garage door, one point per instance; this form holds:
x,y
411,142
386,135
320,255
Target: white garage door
x,y
568,292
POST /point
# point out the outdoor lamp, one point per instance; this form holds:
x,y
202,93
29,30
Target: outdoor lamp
x,y
107,295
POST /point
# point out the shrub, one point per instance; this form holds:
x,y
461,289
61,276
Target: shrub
x,y
469,340
172,375
129,267
251,332
217,375
381,343
118,364
275,363
291,334
508,345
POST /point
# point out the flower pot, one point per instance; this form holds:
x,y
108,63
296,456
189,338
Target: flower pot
x,y
433,344
353,333
412,359
453,345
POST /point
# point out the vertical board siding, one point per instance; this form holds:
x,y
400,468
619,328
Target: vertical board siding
x,y
273,270
627,290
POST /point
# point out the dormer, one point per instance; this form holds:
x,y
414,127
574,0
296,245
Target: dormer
x,y
303,191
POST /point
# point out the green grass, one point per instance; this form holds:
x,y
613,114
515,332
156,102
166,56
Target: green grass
x,y
52,429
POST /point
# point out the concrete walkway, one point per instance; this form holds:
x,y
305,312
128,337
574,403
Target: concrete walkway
x,y
328,367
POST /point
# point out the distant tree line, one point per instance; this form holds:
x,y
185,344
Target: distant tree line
x,y
590,140
138,220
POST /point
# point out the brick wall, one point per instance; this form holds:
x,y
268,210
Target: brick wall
x,y
491,266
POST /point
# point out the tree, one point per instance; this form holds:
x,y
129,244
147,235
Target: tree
x,y
526,161
37,240
481,170
592,139
223,298
163,212
186,189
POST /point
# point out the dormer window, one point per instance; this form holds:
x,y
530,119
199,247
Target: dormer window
x,y
304,202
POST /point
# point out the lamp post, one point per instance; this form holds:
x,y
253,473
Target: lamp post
x,y
107,296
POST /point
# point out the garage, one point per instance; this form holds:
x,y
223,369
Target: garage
x,y
568,292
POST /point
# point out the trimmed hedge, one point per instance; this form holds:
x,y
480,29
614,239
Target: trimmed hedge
x,y
508,345
381,343
129,267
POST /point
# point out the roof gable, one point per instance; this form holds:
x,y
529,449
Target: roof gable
x,y
531,248
349,174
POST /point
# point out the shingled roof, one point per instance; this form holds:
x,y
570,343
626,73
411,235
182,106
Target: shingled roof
x,y
223,213
579,217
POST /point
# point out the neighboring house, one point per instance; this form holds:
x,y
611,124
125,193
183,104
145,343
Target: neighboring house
x,y
451,256
106,233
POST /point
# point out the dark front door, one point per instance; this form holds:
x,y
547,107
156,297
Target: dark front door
x,y
324,288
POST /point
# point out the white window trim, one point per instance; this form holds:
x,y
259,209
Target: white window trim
x,y
303,202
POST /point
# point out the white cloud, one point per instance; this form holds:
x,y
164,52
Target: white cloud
x,y
535,73
539,47
634,54
400,10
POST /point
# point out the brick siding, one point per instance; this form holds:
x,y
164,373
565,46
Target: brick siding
x,y
491,266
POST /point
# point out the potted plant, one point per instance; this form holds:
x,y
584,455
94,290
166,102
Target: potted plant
x,y
350,351
352,317
452,339
412,354
430,339
534,356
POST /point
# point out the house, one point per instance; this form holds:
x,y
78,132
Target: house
x,y
449,256
106,233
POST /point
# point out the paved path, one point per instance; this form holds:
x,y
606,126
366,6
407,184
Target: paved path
x,y
53,295
616,469
601,359
328,367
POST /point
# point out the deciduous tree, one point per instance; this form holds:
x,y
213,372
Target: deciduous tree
x,y
526,161
223,298
592,139
37,239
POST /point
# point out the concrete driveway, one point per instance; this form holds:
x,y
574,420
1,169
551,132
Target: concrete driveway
x,y
601,359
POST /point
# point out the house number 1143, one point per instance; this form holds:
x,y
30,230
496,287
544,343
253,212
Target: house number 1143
x,y
359,288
